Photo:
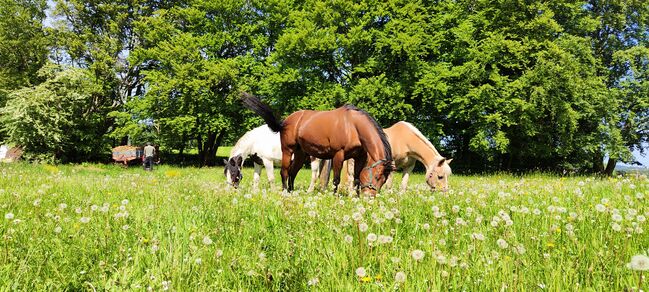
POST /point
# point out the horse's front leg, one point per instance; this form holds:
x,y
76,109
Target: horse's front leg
x,y
406,174
255,177
337,163
268,164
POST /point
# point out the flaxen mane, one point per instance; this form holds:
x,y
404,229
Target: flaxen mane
x,y
384,138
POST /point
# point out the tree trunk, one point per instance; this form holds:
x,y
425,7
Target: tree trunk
x,y
211,145
610,166
598,163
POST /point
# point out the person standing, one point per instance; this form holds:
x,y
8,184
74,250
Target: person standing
x,y
149,151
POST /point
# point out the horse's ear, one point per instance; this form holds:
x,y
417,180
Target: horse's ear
x,y
225,161
238,159
448,161
440,163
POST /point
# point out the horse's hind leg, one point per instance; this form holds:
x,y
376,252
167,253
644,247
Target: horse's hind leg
x,y
287,153
298,161
315,167
337,163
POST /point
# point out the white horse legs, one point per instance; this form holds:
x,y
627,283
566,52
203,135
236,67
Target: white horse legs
x,y
315,167
255,177
268,164
406,174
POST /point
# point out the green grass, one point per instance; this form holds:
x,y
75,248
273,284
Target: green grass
x,y
184,228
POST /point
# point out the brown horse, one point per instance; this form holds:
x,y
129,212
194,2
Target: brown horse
x,y
340,134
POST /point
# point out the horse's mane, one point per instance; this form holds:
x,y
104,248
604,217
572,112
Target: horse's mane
x,y
421,137
384,138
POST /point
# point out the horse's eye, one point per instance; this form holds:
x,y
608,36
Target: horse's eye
x,y
440,177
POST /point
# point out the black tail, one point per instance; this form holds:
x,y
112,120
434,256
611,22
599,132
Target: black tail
x,y
262,109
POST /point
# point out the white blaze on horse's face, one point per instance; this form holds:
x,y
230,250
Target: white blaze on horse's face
x,y
437,176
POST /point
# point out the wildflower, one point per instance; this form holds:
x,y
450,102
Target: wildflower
x,y
125,202
477,236
348,238
502,243
400,277
617,217
385,239
62,206
639,263
360,271
219,253
78,210
362,227
154,248
357,216
198,261
371,237
84,220
313,281
616,227
125,227
9,216
417,254
312,214
37,202
165,285
388,215
550,244
426,226
455,208
207,240
57,229
366,279
641,218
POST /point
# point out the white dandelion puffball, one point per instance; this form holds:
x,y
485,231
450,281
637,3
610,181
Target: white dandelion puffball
x,y
360,271
362,227
207,240
125,202
400,277
371,237
639,263
348,238
84,219
219,253
502,243
417,254
9,216
57,229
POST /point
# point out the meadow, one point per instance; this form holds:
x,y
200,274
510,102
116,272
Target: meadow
x,y
103,227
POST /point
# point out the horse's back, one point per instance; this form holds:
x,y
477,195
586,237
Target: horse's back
x,y
263,142
321,133
401,136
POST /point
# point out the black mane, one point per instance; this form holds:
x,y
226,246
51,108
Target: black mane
x,y
379,129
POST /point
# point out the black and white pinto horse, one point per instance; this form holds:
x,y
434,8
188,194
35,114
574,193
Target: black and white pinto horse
x,y
264,148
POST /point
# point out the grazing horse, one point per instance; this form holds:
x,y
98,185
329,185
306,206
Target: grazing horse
x,y
409,146
340,134
264,148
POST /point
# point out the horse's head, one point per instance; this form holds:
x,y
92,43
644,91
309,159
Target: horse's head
x,y
438,173
233,174
372,177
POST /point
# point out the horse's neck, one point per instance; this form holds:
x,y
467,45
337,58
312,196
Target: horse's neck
x,y
426,152
242,147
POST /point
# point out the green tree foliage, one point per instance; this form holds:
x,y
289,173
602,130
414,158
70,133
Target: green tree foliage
x,y
198,55
55,120
23,44
496,84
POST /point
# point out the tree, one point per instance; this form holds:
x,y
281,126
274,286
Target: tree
x,y
620,42
54,121
23,45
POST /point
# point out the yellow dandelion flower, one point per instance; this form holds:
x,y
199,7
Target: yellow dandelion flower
x,y
366,279
550,244
378,277
558,230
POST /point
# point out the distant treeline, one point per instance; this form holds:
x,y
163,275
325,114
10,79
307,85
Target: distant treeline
x,y
497,85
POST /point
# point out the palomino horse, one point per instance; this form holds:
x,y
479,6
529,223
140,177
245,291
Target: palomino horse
x,y
409,146
340,134
264,148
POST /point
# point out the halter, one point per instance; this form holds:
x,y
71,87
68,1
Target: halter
x,y
370,185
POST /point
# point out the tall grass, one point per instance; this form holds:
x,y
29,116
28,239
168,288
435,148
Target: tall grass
x,y
96,227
